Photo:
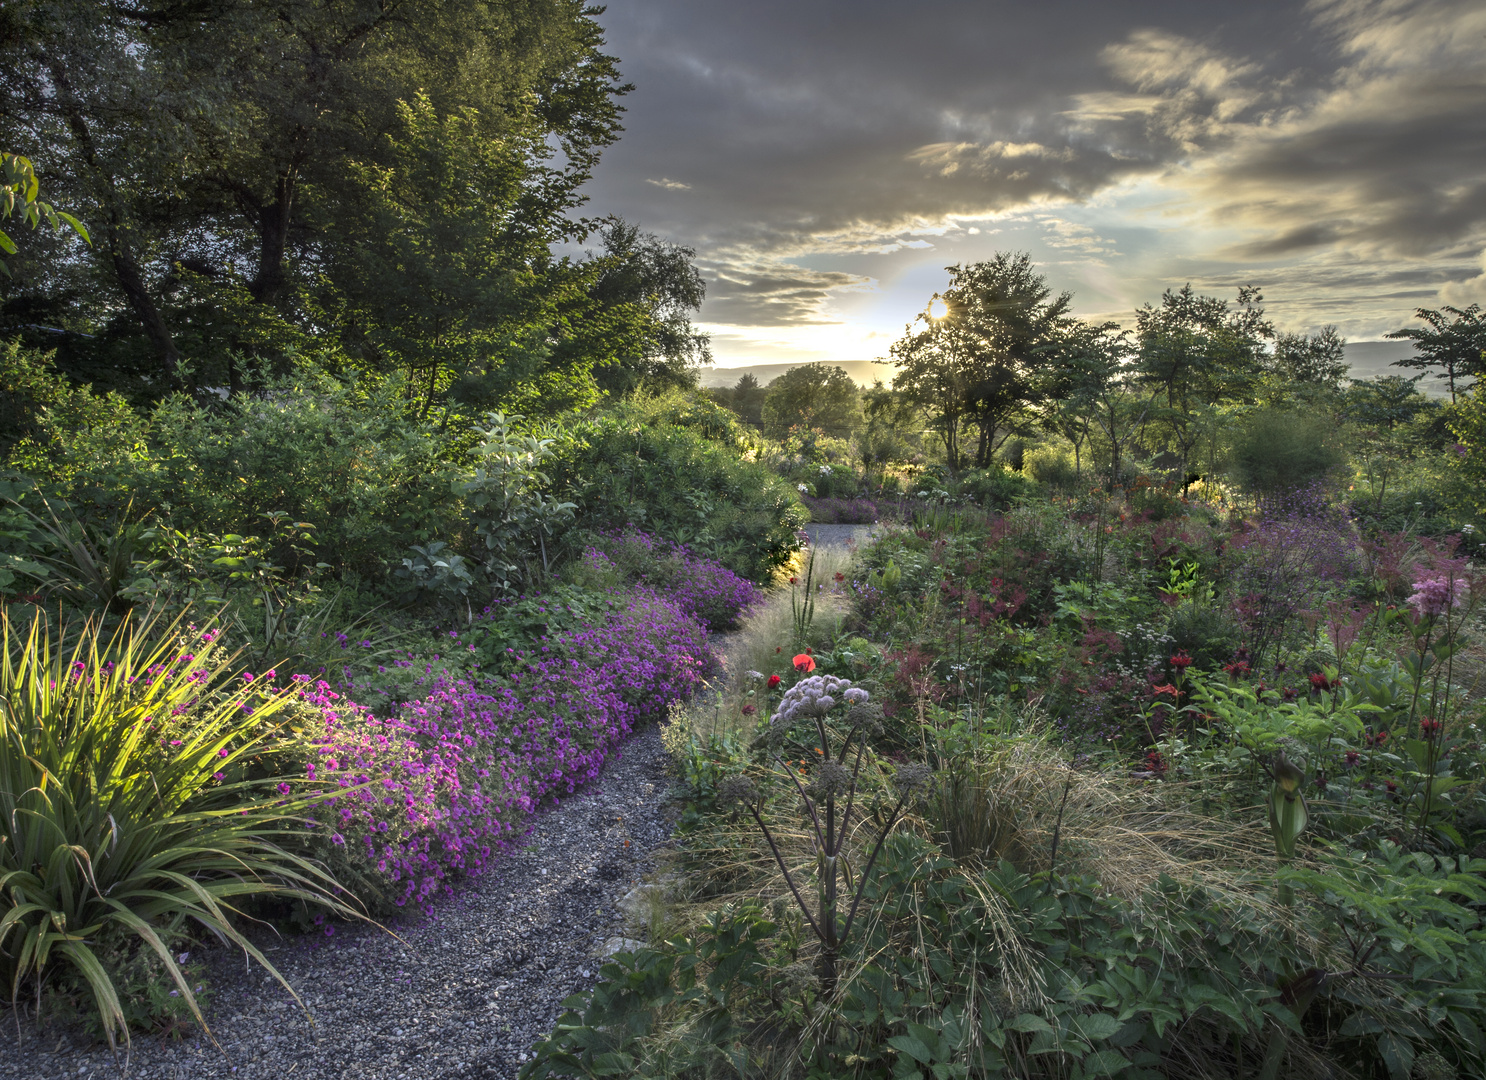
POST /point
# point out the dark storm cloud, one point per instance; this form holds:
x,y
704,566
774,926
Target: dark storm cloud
x,y
768,132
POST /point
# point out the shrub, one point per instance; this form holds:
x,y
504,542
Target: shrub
x,y
1051,465
345,457
1277,450
508,499
995,488
131,804
677,485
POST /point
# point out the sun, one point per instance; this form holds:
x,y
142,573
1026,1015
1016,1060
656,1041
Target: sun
x,y
938,309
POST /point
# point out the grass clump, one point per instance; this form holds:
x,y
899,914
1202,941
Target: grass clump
x,y
135,805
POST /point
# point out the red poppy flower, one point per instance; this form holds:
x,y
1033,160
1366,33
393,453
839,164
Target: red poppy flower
x,y
840,576
804,662
774,681
749,710
794,581
1429,726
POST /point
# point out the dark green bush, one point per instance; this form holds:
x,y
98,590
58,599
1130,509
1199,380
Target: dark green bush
x,y
996,488
349,459
673,483
1277,450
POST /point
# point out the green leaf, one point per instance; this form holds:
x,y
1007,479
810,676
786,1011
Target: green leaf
x,y
1398,1055
913,1047
1029,1023
1104,1063
1096,1026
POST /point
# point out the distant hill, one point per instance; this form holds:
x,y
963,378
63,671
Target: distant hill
x,y
1368,358
865,372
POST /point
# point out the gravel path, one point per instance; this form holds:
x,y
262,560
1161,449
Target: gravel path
x,y
464,994
839,536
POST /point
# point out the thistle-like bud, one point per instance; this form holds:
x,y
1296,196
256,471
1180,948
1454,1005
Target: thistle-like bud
x,y
737,788
865,714
824,704
912,777
856,696
831,779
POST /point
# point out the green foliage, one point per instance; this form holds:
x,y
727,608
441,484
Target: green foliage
x,y
19,197
131,789
447,274
996,488
343,456
509,500
996,973
1277,451
1454,344
812,396
434,574
232,136
669,481
977,361
650,285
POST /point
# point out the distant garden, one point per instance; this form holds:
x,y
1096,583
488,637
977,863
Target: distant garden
x,y
345,523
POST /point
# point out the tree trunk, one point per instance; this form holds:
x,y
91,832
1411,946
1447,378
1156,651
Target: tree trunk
x,y
273,230
126,269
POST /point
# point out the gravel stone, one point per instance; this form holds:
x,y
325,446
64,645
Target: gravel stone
x,y
462,996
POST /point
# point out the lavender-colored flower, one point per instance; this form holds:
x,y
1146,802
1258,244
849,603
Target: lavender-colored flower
x,y
1433,596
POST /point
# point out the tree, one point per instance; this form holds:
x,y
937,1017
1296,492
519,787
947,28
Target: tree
x,y
1381,410
650,288
747,399
812,396
978,360
1196,353
1456,346
446,269
1093,387
1304,364
216,134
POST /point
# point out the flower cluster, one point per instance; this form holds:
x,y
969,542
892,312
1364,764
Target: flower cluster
x,y
1433,596
815,696
704,589
444,785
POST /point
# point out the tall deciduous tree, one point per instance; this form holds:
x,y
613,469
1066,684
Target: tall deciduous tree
x,y
1093,388
1454,344
650,288
1197,352
976,362
216,134
812,396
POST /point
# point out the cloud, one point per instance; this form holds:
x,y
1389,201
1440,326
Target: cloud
x,y
775,294
1332,149
1381,156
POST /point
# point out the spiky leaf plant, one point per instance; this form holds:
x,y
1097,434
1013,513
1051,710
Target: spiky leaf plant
x,y
133,799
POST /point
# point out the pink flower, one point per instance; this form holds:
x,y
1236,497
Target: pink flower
x,y
1436,595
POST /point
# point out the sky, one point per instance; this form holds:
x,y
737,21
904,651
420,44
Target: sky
x,y
827,161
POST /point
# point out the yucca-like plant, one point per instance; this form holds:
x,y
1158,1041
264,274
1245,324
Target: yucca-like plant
x,y
127,805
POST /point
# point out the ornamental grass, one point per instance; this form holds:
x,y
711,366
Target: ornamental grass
x,y
133,800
